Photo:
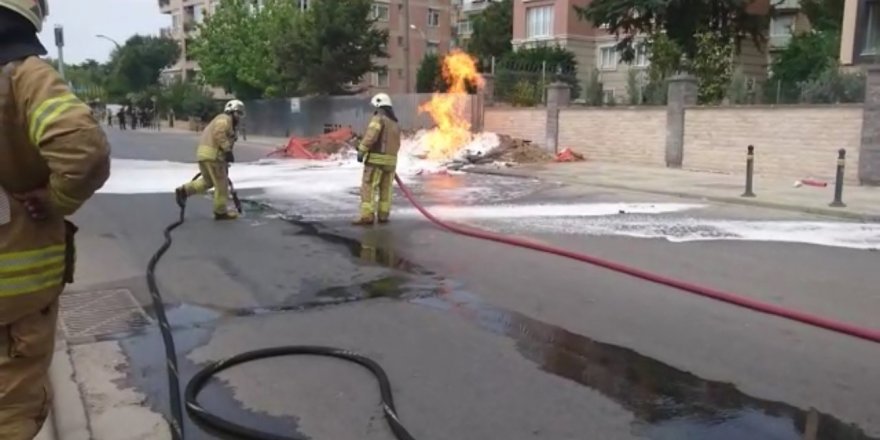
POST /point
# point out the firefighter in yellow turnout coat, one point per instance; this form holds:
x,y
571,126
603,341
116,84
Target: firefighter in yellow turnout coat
x,y
53,157
378,150
214,154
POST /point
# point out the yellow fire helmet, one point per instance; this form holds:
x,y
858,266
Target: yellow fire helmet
x,y
33,10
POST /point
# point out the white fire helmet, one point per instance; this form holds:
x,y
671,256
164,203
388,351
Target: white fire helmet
x,y
381,100
234,106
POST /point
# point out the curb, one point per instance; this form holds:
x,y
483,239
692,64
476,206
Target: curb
x,y
68,415
730,200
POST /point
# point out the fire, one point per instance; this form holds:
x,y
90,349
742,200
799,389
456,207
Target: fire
x,y
447,109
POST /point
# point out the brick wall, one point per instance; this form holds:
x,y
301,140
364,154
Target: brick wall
x,y
791,141
634,135
524,123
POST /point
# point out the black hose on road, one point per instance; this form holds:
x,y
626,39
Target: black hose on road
x,y
198,382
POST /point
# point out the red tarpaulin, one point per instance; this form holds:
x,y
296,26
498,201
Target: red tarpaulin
x,y
315,148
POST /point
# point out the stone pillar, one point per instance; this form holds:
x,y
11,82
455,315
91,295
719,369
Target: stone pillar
x,y
682,93
488,91
869,151
558,97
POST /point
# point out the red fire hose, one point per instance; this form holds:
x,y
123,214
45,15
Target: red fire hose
x,y
739,300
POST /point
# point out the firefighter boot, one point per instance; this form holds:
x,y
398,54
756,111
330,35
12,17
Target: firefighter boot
x,y
229,215
364,221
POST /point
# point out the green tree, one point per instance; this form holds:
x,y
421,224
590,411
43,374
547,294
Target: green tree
x,y
713,66
136,66
330,46
429,78
824,15
235,47
538,66
492,31
593,92
681,21
805,58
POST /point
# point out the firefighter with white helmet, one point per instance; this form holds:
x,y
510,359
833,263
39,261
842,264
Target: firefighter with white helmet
x,y
214,154
53,157
378,150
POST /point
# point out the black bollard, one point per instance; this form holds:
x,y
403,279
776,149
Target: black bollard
x,y
838,184
750,171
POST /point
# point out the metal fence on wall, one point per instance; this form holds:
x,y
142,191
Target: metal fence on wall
x,y
316,115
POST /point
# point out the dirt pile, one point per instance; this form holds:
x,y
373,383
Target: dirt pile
x,y
511,149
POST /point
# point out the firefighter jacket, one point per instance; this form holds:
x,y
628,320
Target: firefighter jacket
x,y
217,139
48,140
381,142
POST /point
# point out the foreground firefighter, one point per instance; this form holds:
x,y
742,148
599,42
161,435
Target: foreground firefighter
x,y
214,155
53,157
378,151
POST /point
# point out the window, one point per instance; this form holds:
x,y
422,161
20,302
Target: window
x,y
432,47
380,12
433,18
642,58
872,30
608,58
465,27
608,96
539,21
380,79
303,5
781,26
176,24
198,14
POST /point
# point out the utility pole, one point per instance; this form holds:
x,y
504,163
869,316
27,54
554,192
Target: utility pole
x,y
59,43
406,46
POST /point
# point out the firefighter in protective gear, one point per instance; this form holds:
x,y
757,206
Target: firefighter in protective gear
x,y
214,155
378,151
53,157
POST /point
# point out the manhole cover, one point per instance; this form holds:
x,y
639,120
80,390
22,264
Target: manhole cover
x,y
90,315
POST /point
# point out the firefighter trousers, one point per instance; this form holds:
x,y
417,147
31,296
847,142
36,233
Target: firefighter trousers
x,y
213,176
377,182
27,343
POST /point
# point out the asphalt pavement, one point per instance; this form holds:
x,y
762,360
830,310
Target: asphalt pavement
x,y
480,340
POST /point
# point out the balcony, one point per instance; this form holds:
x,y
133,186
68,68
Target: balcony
x,y
165,6
471,6
786,5
779,41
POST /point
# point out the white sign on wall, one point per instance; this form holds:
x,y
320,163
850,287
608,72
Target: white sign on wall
x,y
294,105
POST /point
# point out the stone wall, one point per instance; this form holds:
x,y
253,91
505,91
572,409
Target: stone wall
x,y
525,123
624,134
790,141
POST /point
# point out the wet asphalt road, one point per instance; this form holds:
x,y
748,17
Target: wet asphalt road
x,y
484,341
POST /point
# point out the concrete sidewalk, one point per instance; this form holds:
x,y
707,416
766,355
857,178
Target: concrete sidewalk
x,y
862,203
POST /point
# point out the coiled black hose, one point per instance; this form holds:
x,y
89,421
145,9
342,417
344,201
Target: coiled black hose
x,y
201,378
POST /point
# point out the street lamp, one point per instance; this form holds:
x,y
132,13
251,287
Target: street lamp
x,y
110,40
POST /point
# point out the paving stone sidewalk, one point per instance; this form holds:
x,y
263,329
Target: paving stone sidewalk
x,y
862,202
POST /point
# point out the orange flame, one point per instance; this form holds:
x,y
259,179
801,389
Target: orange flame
x,y
448,110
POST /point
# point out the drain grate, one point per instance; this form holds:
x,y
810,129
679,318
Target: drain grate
x,y
91,315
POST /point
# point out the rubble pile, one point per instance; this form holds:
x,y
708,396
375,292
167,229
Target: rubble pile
x,y
508,150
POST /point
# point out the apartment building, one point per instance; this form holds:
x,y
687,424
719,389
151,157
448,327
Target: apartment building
x,y
860,36
430,30
555,22
465,12
786,21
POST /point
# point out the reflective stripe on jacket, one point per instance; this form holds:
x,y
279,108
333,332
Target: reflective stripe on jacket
x,y
48,140
216,139
381,141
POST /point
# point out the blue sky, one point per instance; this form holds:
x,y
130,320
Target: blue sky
x,y
83,19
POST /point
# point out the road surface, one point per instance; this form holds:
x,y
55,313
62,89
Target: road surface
x,y
481,340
